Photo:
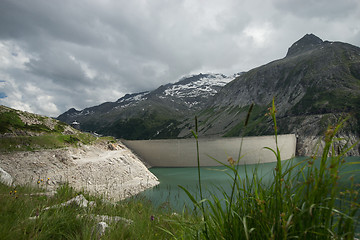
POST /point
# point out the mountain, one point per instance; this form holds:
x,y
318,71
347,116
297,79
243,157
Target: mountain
x,y
153,114
315,84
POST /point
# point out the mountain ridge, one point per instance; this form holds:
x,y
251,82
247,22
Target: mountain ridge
x,y
306,43
313,86
154,110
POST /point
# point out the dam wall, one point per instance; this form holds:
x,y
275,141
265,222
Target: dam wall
x,y
182,152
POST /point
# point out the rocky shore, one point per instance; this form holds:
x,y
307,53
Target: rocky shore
x,y
107,169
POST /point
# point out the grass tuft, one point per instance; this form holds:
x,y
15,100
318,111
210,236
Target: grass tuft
x,y
303,200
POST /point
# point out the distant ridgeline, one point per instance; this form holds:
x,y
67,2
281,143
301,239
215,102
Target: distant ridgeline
x,y
314,85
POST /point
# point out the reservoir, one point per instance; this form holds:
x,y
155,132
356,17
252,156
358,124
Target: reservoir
x,y
174,163
217,179
169,194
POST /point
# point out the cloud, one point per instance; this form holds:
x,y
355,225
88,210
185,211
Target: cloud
x,y
330,10
54,56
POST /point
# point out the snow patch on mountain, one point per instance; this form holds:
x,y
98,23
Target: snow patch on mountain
x,y
135,97
131,99
207,85
189,93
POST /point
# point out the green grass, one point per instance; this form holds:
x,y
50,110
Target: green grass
x,y
49,141
65,223
10,121
303,201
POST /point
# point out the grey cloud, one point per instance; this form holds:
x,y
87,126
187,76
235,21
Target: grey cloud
x,y
81,53
327,9
58,67
49,19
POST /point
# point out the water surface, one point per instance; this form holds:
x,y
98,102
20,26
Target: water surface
x,y
168,193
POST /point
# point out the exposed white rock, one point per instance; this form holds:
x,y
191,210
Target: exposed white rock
x,y
109,219
101,228
314,145
5,177
79,200
114,174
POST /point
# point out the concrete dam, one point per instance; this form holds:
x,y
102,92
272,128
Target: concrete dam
x,y
182,152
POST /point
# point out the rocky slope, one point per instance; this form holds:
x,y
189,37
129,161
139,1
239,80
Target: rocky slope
x,y
114,173
316,84
41,151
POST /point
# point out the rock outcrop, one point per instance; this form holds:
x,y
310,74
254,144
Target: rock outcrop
x,y
6,178
115,174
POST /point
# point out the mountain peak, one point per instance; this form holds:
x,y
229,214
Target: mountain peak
x,y
306,43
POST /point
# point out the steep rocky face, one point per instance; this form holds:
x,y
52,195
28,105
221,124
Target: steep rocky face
x,y
306,43
331,69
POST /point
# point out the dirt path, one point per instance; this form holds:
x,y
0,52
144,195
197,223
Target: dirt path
x,y
115,174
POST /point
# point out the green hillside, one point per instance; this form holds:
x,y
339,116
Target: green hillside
x,y
20,131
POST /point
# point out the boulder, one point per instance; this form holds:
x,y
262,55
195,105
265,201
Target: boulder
x,y
6,178
101,228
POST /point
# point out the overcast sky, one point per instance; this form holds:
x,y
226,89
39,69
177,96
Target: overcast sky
x,y
55,55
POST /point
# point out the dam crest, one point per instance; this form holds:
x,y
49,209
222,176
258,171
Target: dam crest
x,y
182,152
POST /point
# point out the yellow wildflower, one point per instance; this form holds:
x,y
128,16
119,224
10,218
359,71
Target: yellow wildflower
x,y
231,161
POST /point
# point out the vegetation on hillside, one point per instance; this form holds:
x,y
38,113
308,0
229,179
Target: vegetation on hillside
x,y
149,127
11,122
22,131
50,141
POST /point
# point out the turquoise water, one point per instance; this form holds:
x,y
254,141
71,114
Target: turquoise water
x,y
168,193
